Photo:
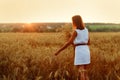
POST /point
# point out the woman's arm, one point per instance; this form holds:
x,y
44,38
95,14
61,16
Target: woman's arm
x,y
70,41
88,42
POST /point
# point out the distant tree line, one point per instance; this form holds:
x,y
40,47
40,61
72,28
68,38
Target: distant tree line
x,y
31,27
103,27
56,27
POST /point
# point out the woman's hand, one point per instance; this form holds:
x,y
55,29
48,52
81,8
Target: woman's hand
x,y
56,53
70,41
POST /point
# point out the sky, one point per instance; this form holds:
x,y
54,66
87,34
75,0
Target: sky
x,y
13,11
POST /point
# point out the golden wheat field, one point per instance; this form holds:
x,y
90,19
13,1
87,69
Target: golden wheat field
x,y
30,56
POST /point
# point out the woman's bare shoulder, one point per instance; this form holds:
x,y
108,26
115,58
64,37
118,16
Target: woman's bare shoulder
x,y
74,33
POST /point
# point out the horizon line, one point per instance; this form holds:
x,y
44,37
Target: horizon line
x,y
53,22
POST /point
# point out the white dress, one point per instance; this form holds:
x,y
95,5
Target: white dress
x,y
82,52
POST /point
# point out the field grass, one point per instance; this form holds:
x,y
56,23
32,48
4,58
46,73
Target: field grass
x,y
30,56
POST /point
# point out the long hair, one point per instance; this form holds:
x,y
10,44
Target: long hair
x,y
77,21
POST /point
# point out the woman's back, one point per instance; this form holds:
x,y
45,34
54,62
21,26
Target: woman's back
x,y
82,36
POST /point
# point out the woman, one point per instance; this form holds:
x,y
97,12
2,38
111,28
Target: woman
x,y
80,39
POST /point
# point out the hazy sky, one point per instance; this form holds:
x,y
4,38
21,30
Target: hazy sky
x,y
59,10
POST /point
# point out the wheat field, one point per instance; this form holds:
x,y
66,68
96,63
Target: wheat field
x,y
30,56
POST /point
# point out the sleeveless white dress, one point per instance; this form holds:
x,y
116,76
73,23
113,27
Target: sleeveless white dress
x,y
82,52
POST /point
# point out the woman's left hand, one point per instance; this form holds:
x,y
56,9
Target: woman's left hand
x,y
56,53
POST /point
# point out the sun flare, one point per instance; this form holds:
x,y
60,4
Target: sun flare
x,y
29,23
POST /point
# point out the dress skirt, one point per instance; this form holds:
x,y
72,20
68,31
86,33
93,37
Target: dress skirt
x,y
82,55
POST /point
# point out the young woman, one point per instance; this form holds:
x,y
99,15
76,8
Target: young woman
x,y
80,39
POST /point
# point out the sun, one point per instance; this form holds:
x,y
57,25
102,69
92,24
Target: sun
x,y
28,23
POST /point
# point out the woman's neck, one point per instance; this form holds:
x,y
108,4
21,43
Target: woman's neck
x,y
81,28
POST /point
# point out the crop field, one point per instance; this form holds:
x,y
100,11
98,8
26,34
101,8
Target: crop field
x,y
30,56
